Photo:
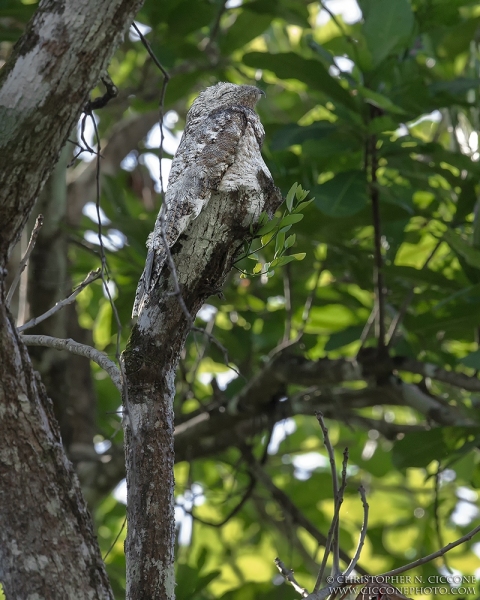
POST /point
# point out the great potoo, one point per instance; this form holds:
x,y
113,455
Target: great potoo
x,y
219,152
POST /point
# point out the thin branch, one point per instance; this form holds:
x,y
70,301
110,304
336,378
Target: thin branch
x,y
70,345
148,48
219,345
434,555
233,512
116,538
23,262
343,32
363,533
92,276
472,384
288,575
328,545
331,454
368,326
309,301
338,505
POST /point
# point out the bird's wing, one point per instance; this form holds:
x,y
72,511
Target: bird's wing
x,y
205,153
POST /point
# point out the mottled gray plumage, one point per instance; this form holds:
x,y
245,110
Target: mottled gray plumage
x,y
219,152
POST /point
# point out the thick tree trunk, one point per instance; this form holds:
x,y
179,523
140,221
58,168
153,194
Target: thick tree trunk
x,y
203,257
47,545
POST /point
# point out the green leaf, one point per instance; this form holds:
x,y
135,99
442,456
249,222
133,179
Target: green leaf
x,y
303,205
300,193
344,337
279,243
288,65
463,248
296,134
257,268
246,27
268,226
466,200
387,26
379,100
299,255
419,449
472,360
283,260
290,220
290,241
290,197
344,195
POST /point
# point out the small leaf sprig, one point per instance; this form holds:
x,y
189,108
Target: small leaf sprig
x,y
266,231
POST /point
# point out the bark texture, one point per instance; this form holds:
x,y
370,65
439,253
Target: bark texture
x,y
203,257
43,89
47,545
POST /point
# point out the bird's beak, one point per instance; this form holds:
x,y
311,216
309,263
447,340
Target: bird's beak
x,y
262,93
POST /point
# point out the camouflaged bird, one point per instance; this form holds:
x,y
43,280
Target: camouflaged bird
x,y
219,152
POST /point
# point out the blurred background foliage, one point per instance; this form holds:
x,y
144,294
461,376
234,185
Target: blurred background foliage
x,y
395,82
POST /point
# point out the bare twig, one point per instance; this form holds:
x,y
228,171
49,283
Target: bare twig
x,y
75,348
219,345
116,538
434,555
332,537
150,51
105,279
24,261
201,352
92,276
331,454
338,505
288,575
368,326
328,545
363,533
233,512
112,92
296,515
309,301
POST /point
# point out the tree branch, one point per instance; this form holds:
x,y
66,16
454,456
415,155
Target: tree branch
x,y
92,276
24,261
101,359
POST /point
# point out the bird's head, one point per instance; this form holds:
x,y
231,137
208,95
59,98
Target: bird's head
x,y
222,95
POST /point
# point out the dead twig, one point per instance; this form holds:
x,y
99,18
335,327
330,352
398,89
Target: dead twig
x,y
363,533
288,575
92,276
26,256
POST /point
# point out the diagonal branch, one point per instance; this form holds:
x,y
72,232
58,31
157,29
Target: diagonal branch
x,y
92,276
24,261
81,349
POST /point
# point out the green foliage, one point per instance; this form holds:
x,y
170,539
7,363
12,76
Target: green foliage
x,y
408,58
